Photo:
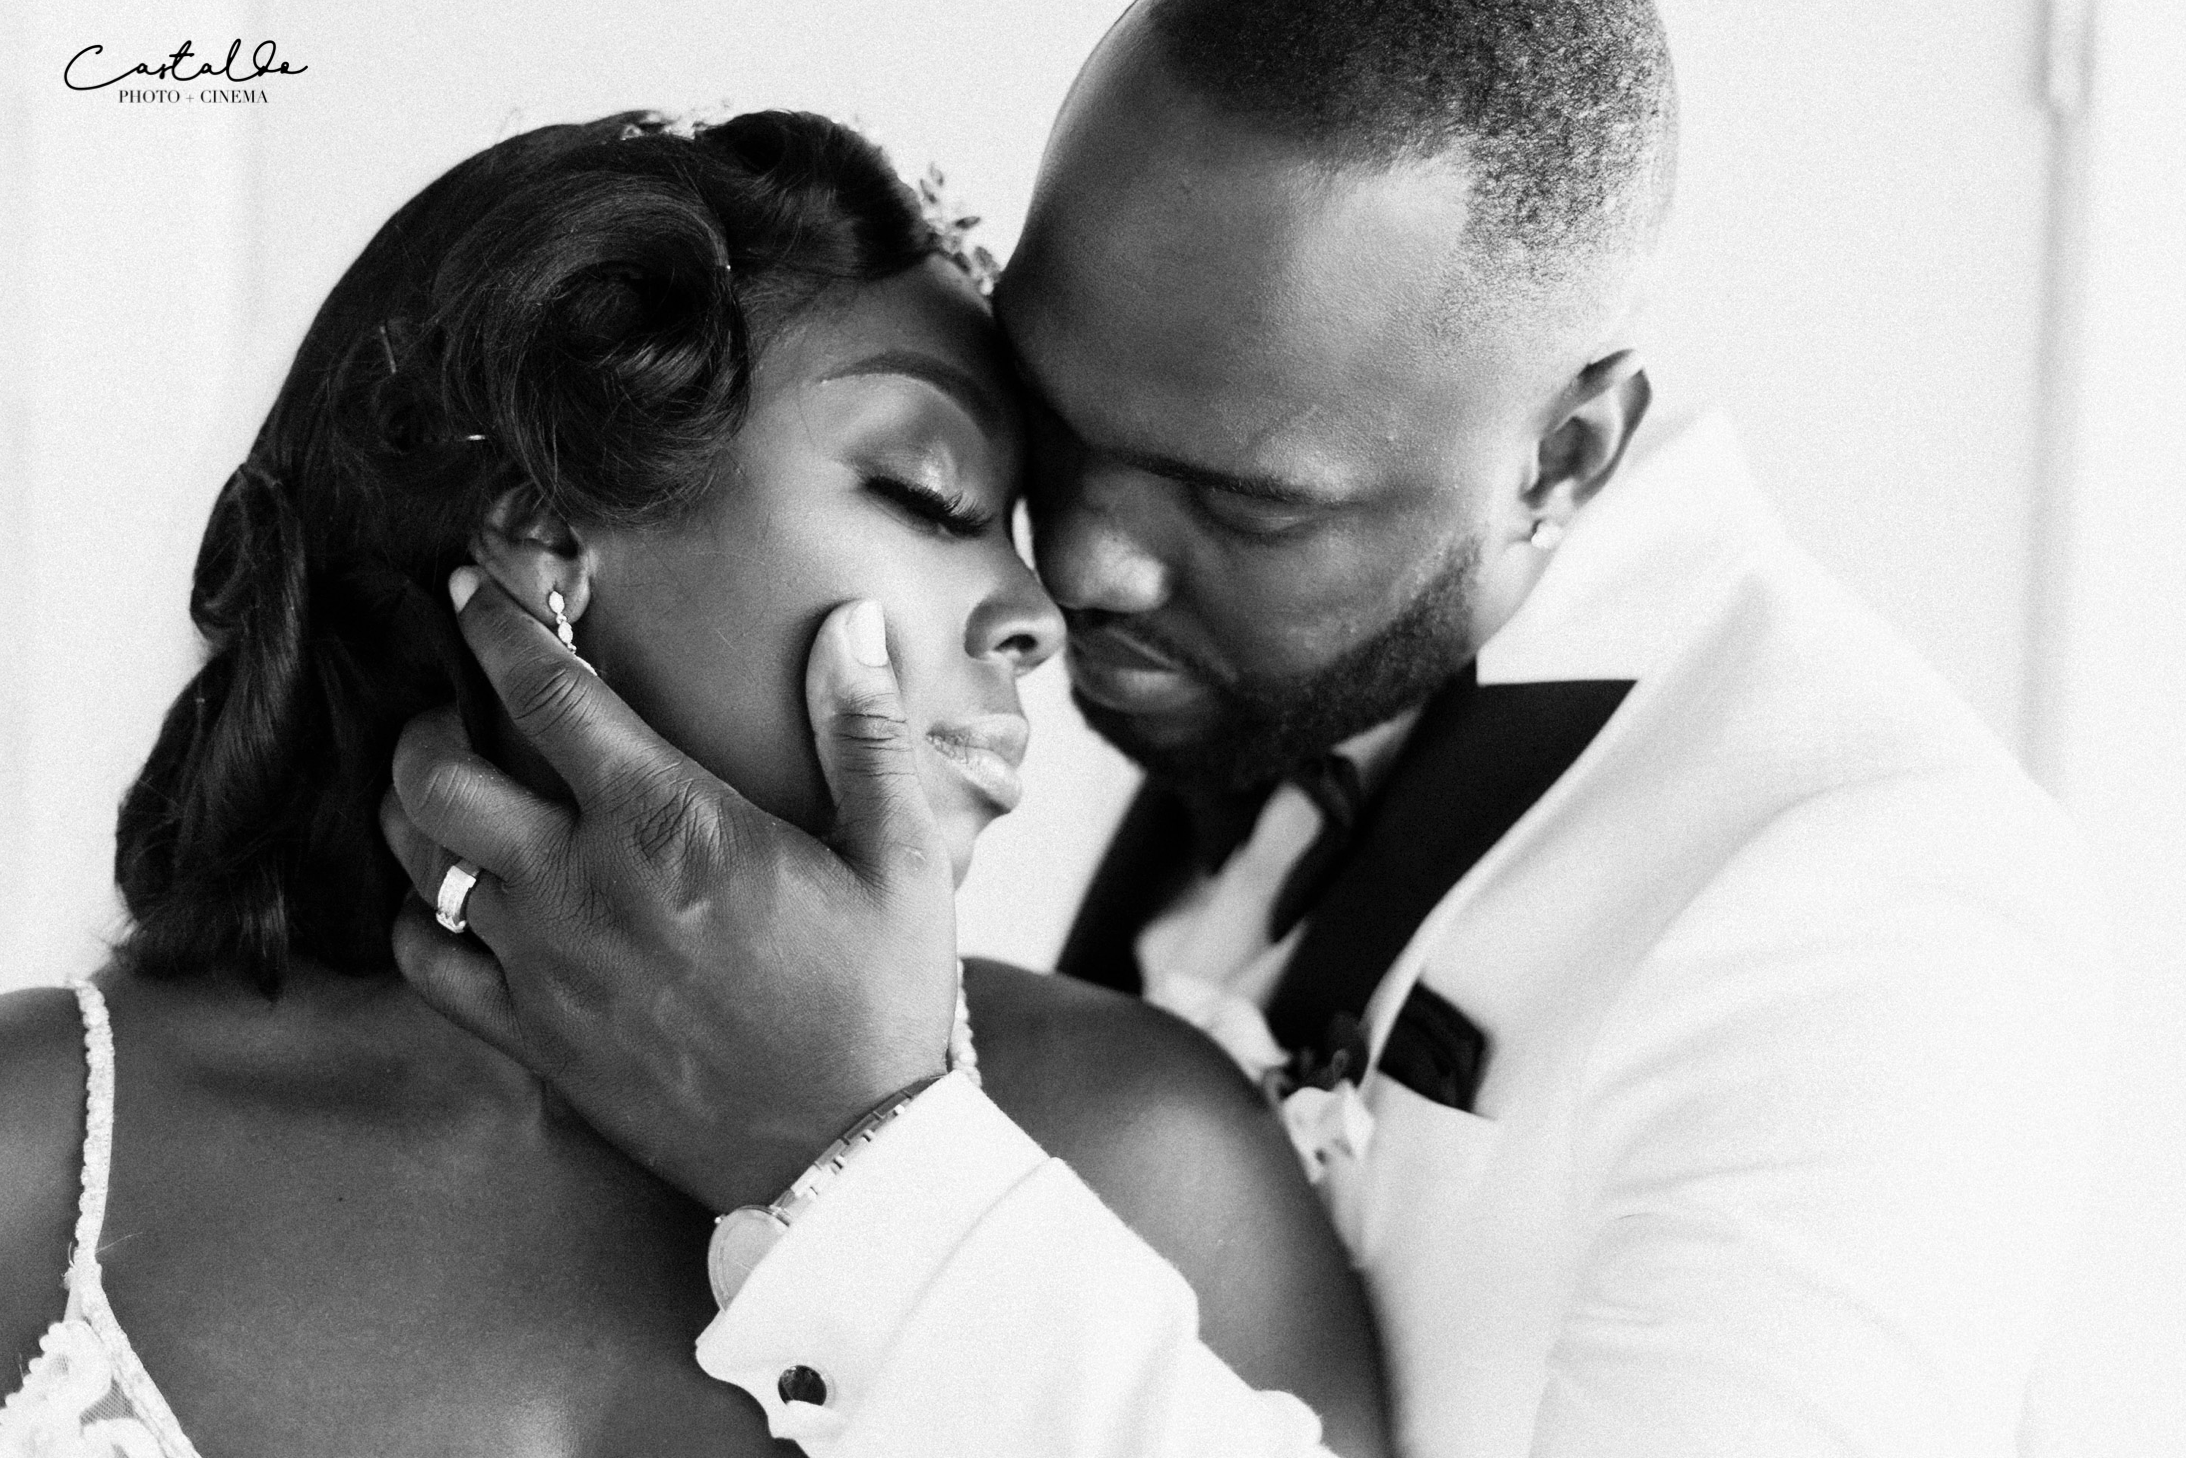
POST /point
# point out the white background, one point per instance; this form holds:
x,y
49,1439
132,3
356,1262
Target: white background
x,y
1942,300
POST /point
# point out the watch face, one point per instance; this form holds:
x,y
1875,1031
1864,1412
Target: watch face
x,y
741,1240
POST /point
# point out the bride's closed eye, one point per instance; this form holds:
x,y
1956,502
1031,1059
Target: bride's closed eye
x,y
952,514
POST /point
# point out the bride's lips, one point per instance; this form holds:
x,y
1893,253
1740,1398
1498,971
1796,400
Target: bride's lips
x,y
986,751
1119,672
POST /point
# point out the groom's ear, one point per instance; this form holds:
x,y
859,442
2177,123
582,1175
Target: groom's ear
x,y
530,552
1595,419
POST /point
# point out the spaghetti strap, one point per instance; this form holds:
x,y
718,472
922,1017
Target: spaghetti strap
x,y
98,1138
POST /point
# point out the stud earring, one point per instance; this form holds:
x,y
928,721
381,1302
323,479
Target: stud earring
x,y
1547,535
558,605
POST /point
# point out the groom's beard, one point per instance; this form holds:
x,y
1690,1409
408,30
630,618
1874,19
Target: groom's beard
x,y
1267,727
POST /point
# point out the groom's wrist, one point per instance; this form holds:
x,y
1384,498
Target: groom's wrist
x,y
829,1299
761,1154
743,1236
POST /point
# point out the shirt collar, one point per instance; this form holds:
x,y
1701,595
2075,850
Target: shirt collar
x,y
1373,752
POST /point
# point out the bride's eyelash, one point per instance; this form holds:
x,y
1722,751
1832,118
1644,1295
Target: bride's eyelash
x,y
953,514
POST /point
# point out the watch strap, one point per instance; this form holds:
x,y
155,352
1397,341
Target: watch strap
x,y
742,1238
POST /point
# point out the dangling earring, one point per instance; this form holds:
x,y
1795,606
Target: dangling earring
x,y
557,605
1547,535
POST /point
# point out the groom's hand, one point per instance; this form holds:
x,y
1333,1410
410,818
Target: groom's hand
x,y
716,992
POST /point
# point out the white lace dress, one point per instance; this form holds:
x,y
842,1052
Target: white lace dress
x,y
86,1395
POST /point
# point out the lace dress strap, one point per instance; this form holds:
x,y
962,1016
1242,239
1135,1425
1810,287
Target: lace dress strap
x,y
98,1124
86,1392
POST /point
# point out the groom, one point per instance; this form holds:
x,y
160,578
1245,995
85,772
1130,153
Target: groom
x,y
1684,1006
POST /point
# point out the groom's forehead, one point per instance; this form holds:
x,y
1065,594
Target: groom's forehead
x,y
1212,286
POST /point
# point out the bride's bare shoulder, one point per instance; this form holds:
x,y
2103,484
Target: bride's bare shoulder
x,y
41,1088
41,1148
1043,1036
1110,1083
1175,1140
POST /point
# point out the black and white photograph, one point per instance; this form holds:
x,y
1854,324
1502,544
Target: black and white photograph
x,y
1093,729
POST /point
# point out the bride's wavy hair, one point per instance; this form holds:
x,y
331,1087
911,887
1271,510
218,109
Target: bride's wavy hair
x,y
573,312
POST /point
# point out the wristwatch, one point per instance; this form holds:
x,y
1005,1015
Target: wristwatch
x,y
742,1238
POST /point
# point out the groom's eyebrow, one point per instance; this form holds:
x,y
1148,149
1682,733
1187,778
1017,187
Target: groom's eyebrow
x,y
959,384
1274,489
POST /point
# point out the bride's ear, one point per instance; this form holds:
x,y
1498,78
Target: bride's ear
x,y
532,552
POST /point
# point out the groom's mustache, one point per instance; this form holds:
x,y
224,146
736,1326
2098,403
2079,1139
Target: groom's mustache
x,y
1131,640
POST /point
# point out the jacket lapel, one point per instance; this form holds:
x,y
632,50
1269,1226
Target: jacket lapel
x,y
1480,757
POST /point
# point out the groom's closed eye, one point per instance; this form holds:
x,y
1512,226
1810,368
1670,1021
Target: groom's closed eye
x,y
1254,518
1252,507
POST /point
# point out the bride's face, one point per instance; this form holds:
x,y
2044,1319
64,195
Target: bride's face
x,y
880,458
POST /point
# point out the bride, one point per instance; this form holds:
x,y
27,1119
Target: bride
x,y
683,394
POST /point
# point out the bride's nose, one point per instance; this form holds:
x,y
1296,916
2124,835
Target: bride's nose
x,y
1018,622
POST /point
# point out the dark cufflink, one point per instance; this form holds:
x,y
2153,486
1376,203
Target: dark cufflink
x,y
802,1384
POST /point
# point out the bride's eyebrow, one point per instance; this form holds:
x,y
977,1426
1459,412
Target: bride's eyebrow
x,y
959,384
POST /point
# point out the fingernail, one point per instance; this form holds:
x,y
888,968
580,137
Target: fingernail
x,y
867,629
462,583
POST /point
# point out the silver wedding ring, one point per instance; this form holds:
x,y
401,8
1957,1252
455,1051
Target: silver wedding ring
x,y
455,893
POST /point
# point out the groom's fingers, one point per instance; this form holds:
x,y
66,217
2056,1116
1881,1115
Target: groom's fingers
x,y
884,825
448,796
426,862
594,740
422,859
460,981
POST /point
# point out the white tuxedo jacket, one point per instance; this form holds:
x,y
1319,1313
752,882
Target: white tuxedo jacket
x,y
1794,1022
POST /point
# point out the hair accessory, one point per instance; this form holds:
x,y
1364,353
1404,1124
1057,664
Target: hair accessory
x,y
558,605
685,125
952,230
1547,535
455,894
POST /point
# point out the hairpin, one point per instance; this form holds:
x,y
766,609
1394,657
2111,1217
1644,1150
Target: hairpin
x,y
952,232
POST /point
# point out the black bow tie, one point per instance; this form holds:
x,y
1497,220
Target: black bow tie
x,y
1222,822
1332,784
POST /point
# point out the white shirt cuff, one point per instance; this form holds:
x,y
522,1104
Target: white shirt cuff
x,y
836,1290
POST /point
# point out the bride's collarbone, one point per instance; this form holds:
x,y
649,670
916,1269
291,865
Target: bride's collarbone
x,y
323,1216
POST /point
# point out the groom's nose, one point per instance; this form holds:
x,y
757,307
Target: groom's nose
x,y
1096,535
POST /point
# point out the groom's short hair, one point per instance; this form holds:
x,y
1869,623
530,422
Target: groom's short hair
x,y
1563,113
